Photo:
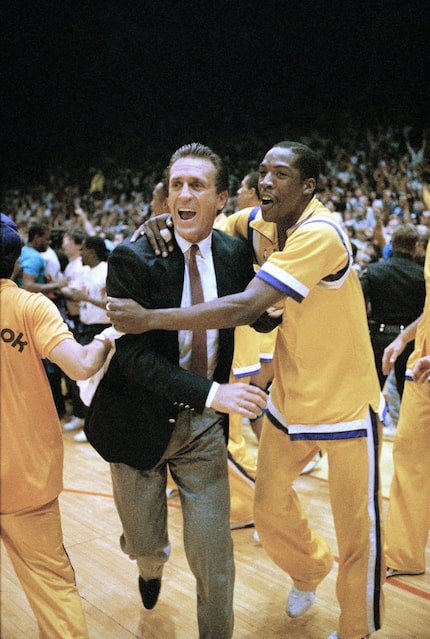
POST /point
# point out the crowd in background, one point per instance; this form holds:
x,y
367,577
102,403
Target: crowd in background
x,y
372,180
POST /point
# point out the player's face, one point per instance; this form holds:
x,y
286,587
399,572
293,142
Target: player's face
x,y
244,194
193,199
283,193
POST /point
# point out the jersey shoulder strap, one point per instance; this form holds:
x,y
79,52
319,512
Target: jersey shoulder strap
x,y
252,215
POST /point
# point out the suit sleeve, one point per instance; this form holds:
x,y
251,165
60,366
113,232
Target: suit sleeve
x,y
365,284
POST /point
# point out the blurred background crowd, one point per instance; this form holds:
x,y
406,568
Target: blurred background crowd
x,y
373,180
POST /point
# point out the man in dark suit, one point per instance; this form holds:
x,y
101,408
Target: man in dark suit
x,y
151,411
395,293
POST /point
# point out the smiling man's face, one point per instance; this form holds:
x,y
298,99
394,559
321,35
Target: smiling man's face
x,y
193,199
283,193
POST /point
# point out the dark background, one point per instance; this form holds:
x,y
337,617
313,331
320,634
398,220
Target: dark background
x,y
133,80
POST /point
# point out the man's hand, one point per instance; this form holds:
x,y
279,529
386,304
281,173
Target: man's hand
x,y
391,353
79,212
421,370
126,315
245,399
157,230
76,295
61,281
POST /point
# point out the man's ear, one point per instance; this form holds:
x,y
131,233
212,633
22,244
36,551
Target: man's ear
x,y
222,199
309,186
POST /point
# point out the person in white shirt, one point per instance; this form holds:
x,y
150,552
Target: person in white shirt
x,y
91,296
74,272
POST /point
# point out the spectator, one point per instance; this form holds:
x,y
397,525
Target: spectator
x,y
247,194
160,194
32,264
91,296
34,279
394,290
74,272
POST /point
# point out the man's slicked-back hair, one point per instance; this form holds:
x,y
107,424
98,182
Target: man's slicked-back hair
x,y
200,151
307,160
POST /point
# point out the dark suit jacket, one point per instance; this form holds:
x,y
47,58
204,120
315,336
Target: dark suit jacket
x,y
133,412
395,289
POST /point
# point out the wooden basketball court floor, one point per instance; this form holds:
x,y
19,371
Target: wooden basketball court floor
x,y
107,579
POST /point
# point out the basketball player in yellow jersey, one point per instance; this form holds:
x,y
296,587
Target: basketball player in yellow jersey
x,y
408,518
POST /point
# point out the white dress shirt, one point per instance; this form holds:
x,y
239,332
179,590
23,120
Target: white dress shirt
x,y
206,268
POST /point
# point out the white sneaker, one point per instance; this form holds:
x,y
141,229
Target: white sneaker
x,y
256,537
80,437
73,424
311,465
171,492
299,601
389,432
394,572
334,635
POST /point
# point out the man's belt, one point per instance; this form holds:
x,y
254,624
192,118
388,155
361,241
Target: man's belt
x,y
385,329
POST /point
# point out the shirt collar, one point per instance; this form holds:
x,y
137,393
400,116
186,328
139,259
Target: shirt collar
x,y
204,245
313,206
406,256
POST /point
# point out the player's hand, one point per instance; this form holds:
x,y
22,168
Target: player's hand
x,y
421,370
76,295
61,281
391,353
158,231
245,399
126,315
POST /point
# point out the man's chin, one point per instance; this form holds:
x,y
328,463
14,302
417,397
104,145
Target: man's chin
x,y
267,215
189,233
190,236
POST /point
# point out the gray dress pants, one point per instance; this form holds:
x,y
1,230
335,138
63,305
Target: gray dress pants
x,y
197,458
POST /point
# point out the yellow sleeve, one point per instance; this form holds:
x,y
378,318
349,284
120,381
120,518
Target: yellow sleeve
x,y
426,198
237,224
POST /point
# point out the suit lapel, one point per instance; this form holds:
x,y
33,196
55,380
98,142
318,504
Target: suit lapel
x,y
222,266
170,279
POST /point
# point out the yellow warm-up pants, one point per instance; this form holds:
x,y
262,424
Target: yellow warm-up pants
x,y
290,542
242,469
408,520
34,543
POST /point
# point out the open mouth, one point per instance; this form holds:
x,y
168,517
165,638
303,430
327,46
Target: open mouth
x,y
186,214
266,201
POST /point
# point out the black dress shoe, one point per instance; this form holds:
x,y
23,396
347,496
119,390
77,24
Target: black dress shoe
x,y
149,591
